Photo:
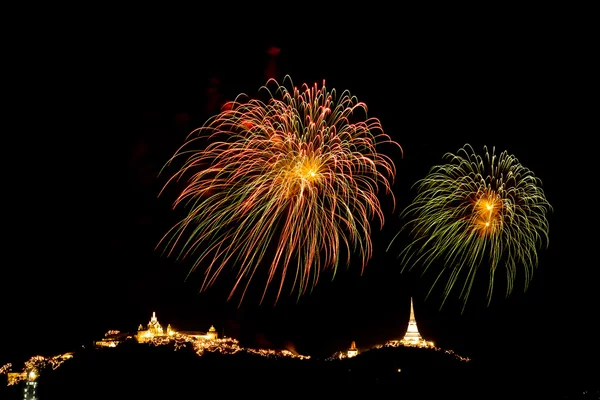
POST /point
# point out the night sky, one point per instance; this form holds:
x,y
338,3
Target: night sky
x,y
98,117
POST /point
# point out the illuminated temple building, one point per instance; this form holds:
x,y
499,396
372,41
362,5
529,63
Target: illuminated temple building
x,y
412,337
154,330
352,351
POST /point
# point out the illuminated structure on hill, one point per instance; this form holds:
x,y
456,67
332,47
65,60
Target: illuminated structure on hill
x,y
352,351
199,342
412,337
29,392
340,355
154,331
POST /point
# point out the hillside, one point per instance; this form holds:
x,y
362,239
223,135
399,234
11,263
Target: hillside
x,y
137,370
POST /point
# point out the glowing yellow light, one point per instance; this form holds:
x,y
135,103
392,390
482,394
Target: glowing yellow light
x,y
292,173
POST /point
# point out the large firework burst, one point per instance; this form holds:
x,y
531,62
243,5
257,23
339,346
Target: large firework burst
x,y
477,211
283,184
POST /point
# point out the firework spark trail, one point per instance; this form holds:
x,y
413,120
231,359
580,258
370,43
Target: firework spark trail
x,y
300,171
477,211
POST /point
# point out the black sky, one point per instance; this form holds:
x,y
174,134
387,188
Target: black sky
x,y
100,117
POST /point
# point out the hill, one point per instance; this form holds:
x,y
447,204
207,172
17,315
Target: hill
x,y
137,370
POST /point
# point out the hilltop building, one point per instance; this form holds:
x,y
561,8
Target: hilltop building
x,y
210,335
352,351
412,337
343,354
154,330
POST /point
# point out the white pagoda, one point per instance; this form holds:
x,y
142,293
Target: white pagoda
x,y
412,337
352,351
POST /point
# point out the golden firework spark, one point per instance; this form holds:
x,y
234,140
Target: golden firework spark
x,y
288,183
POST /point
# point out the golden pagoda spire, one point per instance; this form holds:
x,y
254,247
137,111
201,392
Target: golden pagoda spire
x,y
412,335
